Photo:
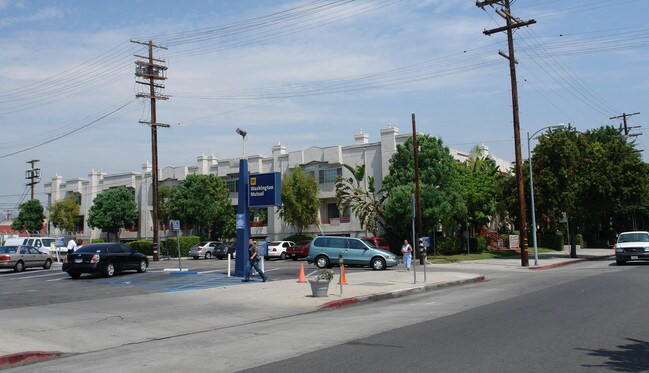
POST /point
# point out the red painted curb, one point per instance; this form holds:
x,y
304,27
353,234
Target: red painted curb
x,y
560,264
339,303
27,357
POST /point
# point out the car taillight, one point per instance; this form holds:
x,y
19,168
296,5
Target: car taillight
x,y
5,257
95,259
200,248
274,249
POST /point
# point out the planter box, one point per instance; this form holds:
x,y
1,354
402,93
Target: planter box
x,y
319,288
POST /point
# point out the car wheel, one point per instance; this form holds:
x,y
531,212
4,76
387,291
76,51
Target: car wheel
x,y
208,255
74,274
322,262
143,266
19,267
48,264
109,271
378,264
282,256
620,262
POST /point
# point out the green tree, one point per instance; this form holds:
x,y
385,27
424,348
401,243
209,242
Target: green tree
x,y
366,204
165,196
30,216
300,203
479,181
64,214
113,209
597,178
441,200
203,201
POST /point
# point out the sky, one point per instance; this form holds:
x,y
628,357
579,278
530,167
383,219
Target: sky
x,y
302,73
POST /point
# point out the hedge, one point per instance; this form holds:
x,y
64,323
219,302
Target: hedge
x,y
167,247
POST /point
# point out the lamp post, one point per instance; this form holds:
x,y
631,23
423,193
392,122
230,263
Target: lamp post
x,y
243,144
529,160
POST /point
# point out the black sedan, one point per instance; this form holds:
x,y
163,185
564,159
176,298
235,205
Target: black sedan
x,y
104,258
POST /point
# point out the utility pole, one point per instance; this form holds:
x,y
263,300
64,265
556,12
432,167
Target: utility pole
x,y
33,175
415,147
150,70
624,123
513,23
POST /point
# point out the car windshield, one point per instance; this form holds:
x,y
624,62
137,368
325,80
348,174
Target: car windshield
x,y
274,243
7,249
633,237
303,243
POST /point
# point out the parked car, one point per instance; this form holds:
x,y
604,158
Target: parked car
x,y
299,250
204,249
222,250
324,251
20,257
277,249
378,242
40,243
104,258
632,246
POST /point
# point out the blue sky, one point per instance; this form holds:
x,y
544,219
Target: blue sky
x,y
302,73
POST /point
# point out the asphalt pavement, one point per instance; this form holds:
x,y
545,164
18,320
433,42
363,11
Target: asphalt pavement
x,y
48,331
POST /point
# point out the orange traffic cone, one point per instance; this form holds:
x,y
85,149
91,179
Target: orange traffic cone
x,y
301,278
342,275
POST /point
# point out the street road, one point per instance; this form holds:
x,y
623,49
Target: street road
x,y
583,317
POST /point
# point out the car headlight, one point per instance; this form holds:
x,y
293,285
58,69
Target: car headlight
x,y
392,257
619,250
646,248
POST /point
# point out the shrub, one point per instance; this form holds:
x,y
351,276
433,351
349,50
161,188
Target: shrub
x,y
170,245
550,240
478,244
143,246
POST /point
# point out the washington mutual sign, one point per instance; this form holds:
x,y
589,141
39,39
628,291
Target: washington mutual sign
x,y
265,190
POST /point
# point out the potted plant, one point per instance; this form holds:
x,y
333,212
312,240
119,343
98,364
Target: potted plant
x,y
320,282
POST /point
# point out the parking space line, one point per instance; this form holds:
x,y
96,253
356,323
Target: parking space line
x,y
28,276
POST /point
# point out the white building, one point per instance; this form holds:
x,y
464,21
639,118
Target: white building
x,y
324,163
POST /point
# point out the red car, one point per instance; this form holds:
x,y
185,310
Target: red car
x,y
299,250
378,242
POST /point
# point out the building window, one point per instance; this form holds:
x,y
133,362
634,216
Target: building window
x,y
329,176
232,185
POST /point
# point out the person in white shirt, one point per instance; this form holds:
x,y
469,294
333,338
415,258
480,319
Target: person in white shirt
x,y
72,245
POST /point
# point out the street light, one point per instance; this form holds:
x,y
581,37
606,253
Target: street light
x,y
529,159
243,145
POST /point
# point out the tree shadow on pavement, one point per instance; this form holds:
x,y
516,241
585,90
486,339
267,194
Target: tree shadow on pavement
x,y
631,357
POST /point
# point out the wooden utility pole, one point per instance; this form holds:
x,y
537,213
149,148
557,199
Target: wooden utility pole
x,y
513,23
34,175
150,70
626,127
415,147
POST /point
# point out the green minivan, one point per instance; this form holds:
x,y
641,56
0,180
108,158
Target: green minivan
x,y
325,251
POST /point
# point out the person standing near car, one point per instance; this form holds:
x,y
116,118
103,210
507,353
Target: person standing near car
x,y
253,255
406,249
72,245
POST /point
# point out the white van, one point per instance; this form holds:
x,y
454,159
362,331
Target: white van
x,y
41,243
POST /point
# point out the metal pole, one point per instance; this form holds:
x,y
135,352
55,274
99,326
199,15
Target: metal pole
x,y
180,266
529,160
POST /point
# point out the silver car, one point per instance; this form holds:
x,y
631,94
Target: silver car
x,y
20,257
204,249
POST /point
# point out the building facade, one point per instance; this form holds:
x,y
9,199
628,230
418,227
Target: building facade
x,y
325,164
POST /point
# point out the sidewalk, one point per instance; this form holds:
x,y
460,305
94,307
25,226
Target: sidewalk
x,y
85,326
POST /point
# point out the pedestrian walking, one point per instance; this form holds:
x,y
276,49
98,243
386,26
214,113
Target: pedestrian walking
x,y
253,262
406,249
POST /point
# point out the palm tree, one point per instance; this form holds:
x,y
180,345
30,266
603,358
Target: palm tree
x,y
366,205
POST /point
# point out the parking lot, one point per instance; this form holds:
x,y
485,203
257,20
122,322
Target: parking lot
x,y
35,287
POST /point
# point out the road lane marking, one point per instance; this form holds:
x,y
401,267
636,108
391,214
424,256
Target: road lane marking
x,y
28,276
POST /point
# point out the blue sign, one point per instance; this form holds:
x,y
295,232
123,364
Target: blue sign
x,y
262,248
265,190
241,221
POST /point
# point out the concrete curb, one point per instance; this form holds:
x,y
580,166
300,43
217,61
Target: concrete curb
x,y
27,357
395,293
568,262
